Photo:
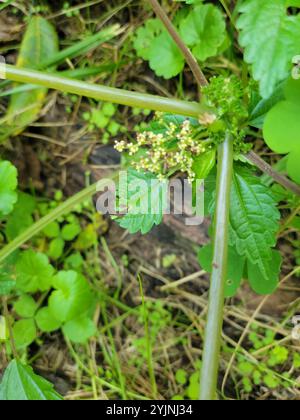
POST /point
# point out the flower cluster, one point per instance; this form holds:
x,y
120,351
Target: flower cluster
x,y
167,148
229,98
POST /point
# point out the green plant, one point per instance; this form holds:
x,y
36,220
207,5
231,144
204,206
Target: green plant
x,y
275,365
20,383
102,119
243,208
201,27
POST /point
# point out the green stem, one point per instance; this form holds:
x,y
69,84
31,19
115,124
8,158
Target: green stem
x,y
212,342
105,93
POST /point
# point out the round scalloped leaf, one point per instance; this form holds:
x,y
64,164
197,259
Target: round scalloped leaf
x,y
79,330
46,322
204,30
166,59
8,185
145,36
33,272
24,333
26,306
72,297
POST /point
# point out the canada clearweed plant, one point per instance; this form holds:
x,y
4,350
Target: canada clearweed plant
x,y
252,97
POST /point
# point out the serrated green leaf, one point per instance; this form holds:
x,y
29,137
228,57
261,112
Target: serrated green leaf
x,y
45,320
253,218
20,383
204,30
40,41
235,271
24,333
260,283
146,202
8,185
72,298
33,272
26,306
79,330
270,38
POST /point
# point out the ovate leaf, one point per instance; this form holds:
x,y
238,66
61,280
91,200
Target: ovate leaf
x,y
33,272
26,306
71,231
204,30
8,185
260,283
270,38
45,320
56,248
204,163
235,271
253,218
20,383
40,41
24,333
72,298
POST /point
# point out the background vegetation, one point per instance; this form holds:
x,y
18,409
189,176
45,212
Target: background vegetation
x,y
101,313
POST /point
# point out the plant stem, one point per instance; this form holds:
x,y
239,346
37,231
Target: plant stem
x,y
212,342
10,329
267,169
105,93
